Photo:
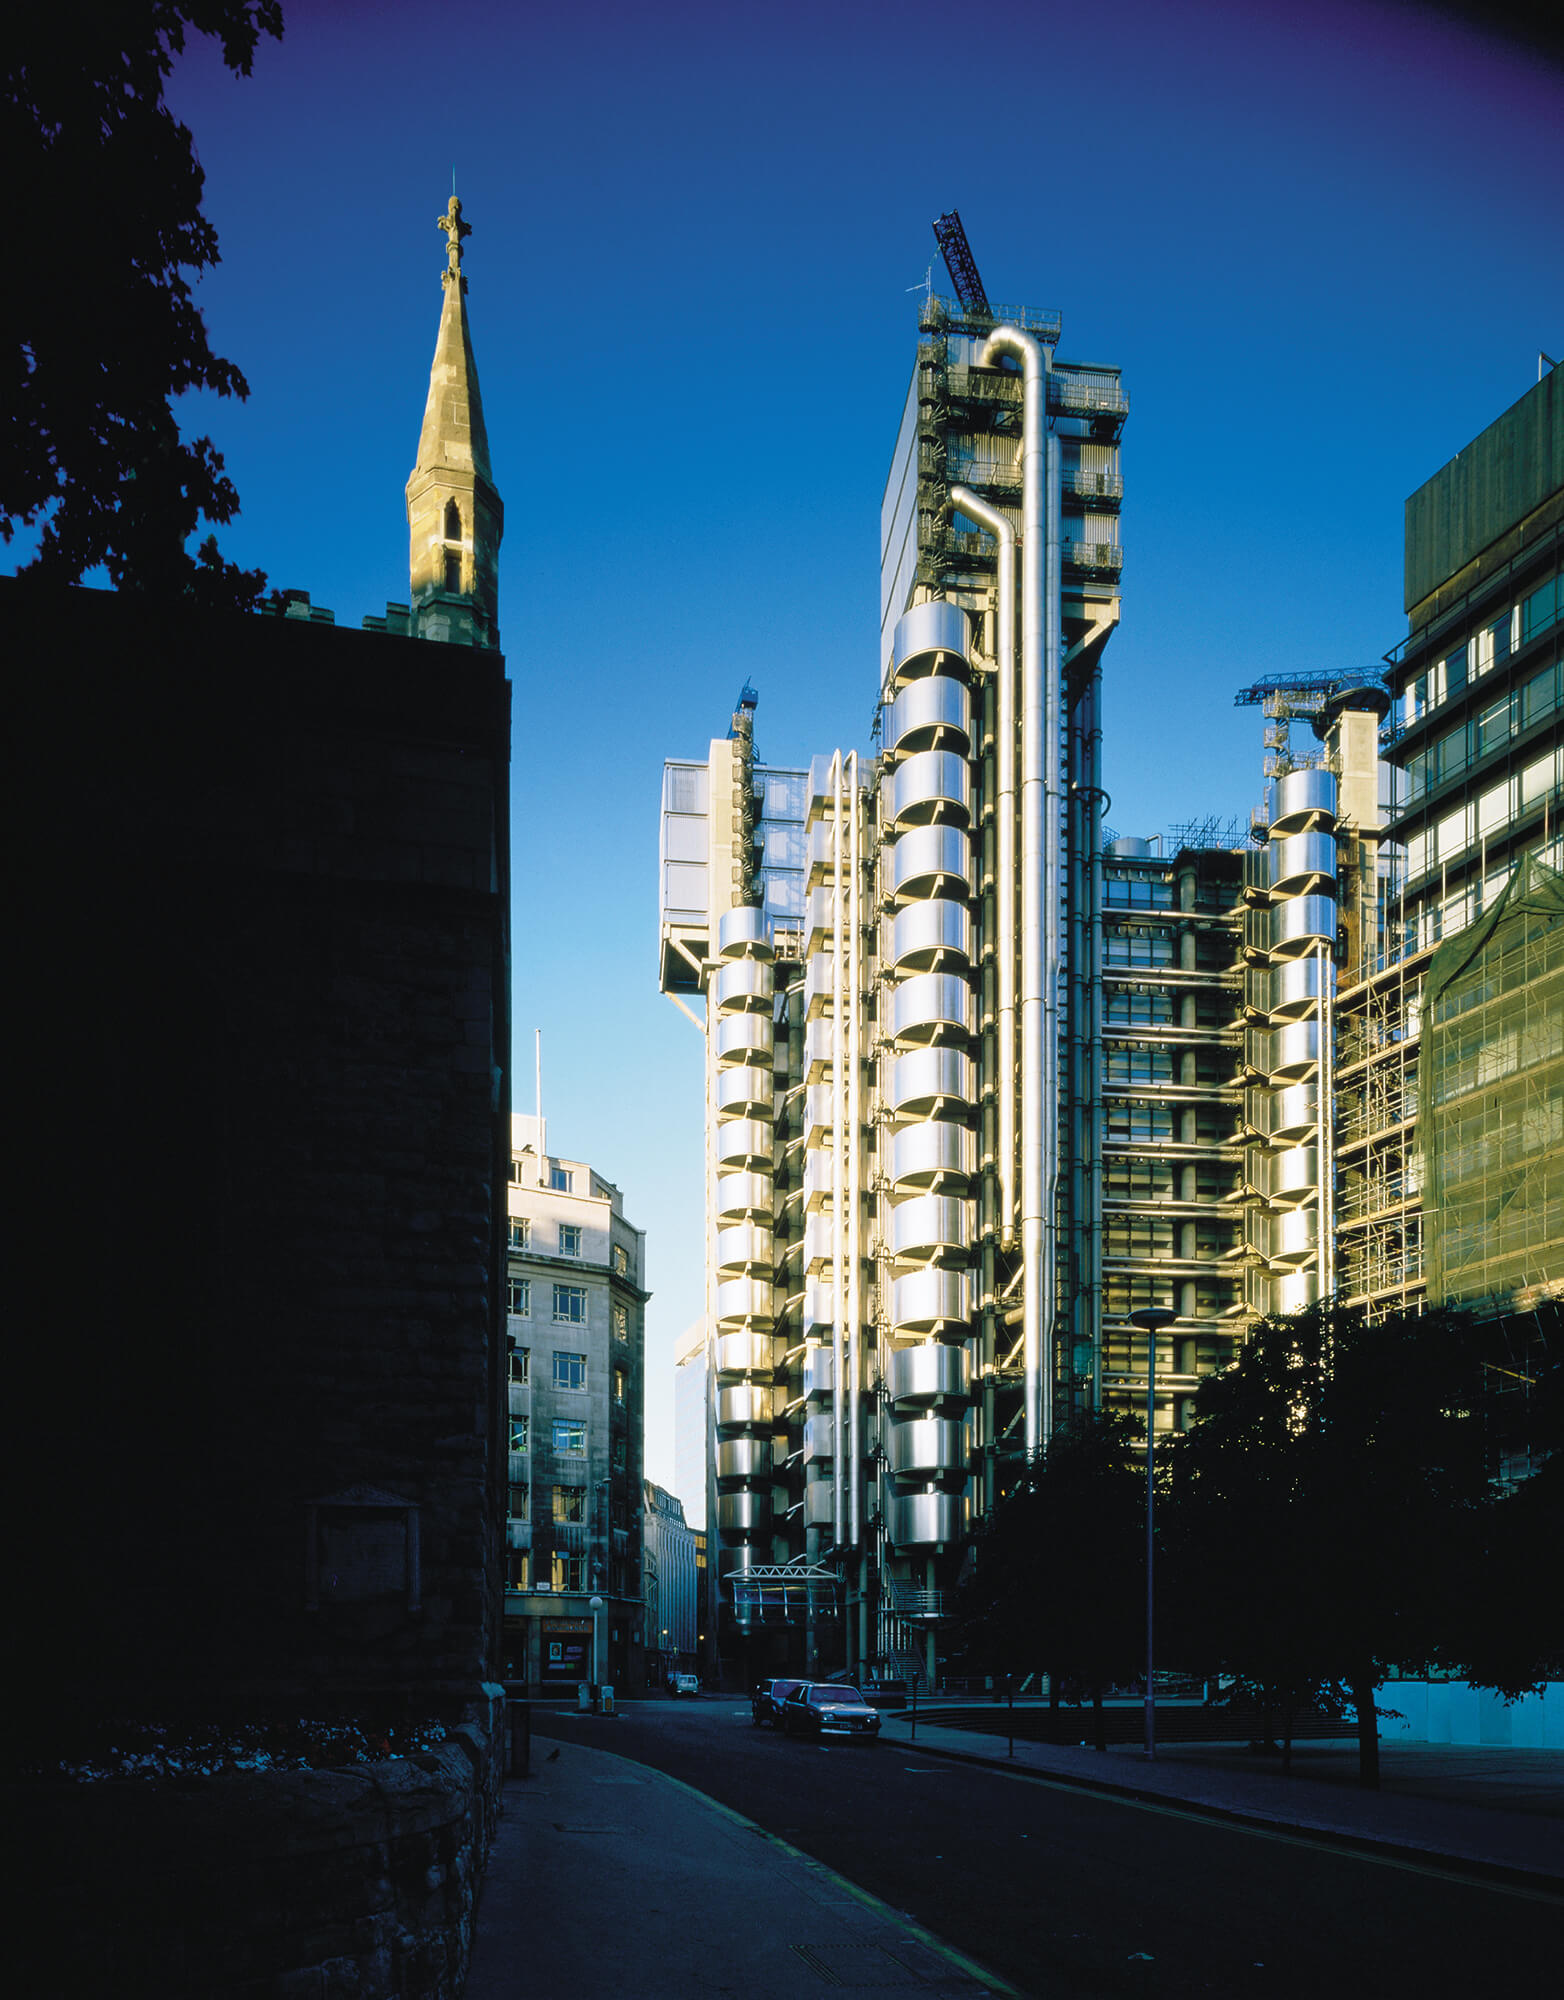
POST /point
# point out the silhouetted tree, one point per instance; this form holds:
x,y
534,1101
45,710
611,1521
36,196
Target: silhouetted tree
x,y
98,330
1058,1576
1329,1503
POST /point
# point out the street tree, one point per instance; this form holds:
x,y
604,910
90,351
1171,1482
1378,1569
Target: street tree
x,y
1058,1578
100,332
1331,1495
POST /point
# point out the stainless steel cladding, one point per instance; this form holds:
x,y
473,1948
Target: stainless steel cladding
x,y
1293,1113
931,860
745,985
933,785
1295,1235
744,1458
936,1155
927,1448
932,1006
926,632
746,1353
1301,799
819,1371
743,1142
1300,861
743,1513
819,1436
746,1403
931,1228
1302,924
745,1092
744,1249
1296,1290
741,933
933,1372
819,1316
744,1038
1294,1051
933,1301
1293,1175
928,937
1295,988
742,1302
932,1081
923,1520
819,1504
744,1197
934,714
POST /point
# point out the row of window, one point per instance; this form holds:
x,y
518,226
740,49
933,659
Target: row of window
x,y
560,1179
1136,892
1482,733
567,1438
1483,651
1491,813
569,1306
519,1237
569,1371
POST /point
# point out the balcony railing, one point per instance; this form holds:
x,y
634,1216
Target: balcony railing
x,y
1106,486
1106,557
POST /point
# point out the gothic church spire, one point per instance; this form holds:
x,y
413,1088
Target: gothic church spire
x,y
454,515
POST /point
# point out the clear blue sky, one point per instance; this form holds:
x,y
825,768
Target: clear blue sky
x,y
1325,252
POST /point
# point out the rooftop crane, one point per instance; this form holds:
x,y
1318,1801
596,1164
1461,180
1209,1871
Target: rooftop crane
x,y
959,261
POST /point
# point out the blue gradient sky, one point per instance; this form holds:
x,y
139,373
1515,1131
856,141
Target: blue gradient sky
x,y
1325,252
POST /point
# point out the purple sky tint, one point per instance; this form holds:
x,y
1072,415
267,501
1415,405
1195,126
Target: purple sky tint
x,y
1325,252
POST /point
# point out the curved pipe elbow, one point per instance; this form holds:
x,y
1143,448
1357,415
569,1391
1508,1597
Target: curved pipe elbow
x,y
966,502
1011,340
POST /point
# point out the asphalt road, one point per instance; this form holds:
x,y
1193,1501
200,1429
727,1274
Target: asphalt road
x,y
1071,1896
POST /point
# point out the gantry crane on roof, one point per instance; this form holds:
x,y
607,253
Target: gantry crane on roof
x,y
1300,697
959,261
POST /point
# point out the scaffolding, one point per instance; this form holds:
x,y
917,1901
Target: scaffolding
x,y
1491,1081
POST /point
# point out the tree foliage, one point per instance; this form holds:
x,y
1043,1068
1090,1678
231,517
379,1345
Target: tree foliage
x,y
99,332
1331,1507
1057,1578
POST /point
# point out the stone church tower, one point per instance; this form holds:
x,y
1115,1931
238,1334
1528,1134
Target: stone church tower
x,y
454,515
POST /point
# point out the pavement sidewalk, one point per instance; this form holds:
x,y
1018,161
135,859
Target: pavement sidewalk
x,y
1495,1810
608,1877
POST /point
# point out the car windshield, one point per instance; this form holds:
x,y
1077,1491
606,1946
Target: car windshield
x,y
842,1696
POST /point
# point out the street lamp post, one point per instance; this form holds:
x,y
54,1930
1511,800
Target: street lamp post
x,y
595,1606
1151,1320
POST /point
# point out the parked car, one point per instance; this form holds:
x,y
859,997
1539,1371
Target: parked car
x,y
828,1708
765,1704
684,1684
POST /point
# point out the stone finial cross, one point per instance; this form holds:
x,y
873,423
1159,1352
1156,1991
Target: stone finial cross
x,y
455,229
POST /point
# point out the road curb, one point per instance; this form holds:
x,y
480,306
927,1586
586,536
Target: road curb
x,y
1533,1883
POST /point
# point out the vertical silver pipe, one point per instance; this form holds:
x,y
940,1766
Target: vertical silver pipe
x,y
1036,1304
1325,1013
1053,679
968,503
838,1157
1094,810
854,1165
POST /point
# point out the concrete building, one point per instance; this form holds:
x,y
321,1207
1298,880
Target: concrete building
x,y
575,1335
673,1572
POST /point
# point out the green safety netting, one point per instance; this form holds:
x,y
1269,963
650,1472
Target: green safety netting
x,y
1491,1096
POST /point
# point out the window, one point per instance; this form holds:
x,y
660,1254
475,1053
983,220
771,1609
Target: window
x,y
518,1296
559,1179
570,1239
1455,673
1137,892
1537,612
520,1433
621,1323
621,1384
570,1305
569,1503
621,1260
570,1437
518,1501
518,1569
521,1365
567,1572
515,1172
453,521
618,1454
519,1233
570,1371
1493,726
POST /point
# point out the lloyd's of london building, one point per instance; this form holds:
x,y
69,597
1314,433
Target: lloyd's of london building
x,y
908,1016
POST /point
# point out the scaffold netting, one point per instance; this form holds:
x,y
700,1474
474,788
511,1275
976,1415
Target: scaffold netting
x,y
1491,1097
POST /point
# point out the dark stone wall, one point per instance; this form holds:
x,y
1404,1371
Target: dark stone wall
x,y
264,1132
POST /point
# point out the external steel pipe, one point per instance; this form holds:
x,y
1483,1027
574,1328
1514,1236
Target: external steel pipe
x,y
1039,863
854,1157
838,1156
1094,812
966,502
